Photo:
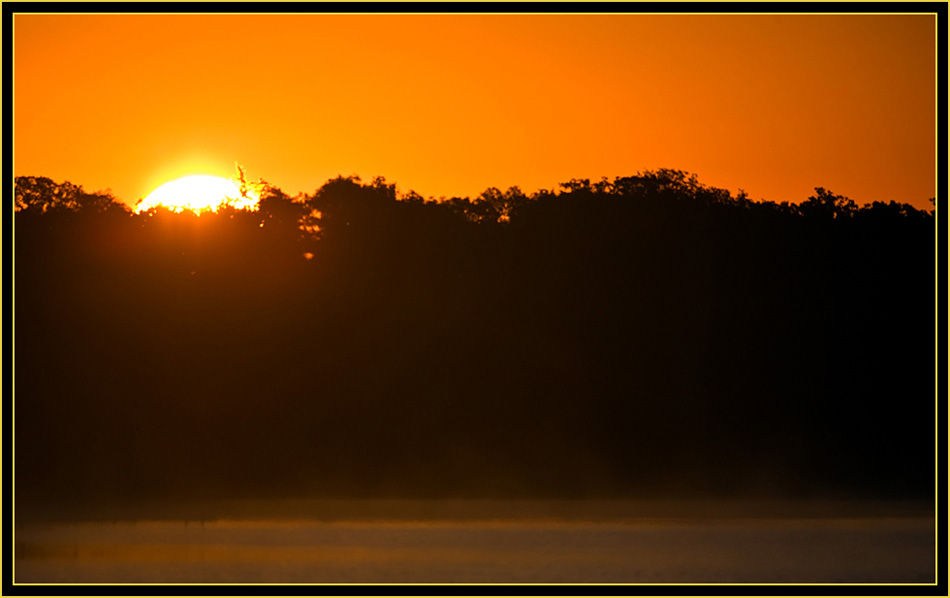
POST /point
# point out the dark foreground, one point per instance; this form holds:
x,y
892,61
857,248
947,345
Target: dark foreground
x,y
495,542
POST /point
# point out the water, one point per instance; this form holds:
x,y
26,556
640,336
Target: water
x,y
527,542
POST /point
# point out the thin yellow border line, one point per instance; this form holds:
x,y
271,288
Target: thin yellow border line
x,y
13,319
936,212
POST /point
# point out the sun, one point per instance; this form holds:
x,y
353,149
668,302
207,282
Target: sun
x,y
199,193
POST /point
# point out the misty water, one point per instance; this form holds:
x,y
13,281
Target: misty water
x,y
493,542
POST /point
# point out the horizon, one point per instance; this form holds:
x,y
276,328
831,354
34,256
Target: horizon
x,y
213,192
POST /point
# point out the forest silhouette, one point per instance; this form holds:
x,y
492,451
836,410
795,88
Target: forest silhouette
x,y
642,336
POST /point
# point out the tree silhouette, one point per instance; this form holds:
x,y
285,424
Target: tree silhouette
x,y
41,194
825,204
646,334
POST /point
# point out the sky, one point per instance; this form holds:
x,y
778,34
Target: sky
x,y
445,105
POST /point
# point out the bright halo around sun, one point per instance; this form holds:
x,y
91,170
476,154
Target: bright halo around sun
x,y
199,193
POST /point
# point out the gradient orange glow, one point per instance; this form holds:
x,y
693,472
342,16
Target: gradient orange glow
x,y
452,104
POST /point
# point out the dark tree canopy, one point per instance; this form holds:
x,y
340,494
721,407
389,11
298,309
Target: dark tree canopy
x,y
647,335
40,194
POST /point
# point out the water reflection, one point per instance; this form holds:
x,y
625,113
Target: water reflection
x,y
500,542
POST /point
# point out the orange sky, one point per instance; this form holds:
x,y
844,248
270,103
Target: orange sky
x,y
453,104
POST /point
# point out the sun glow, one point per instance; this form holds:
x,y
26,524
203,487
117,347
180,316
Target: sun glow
x,y
200,193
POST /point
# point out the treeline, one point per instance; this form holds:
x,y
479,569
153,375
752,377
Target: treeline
x,y
648,335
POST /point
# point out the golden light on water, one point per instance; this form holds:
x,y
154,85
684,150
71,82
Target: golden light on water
x,y
200,193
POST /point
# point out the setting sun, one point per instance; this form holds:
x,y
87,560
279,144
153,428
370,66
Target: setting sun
x,y
199,193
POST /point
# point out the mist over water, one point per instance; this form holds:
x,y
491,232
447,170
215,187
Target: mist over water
x,y
463,541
